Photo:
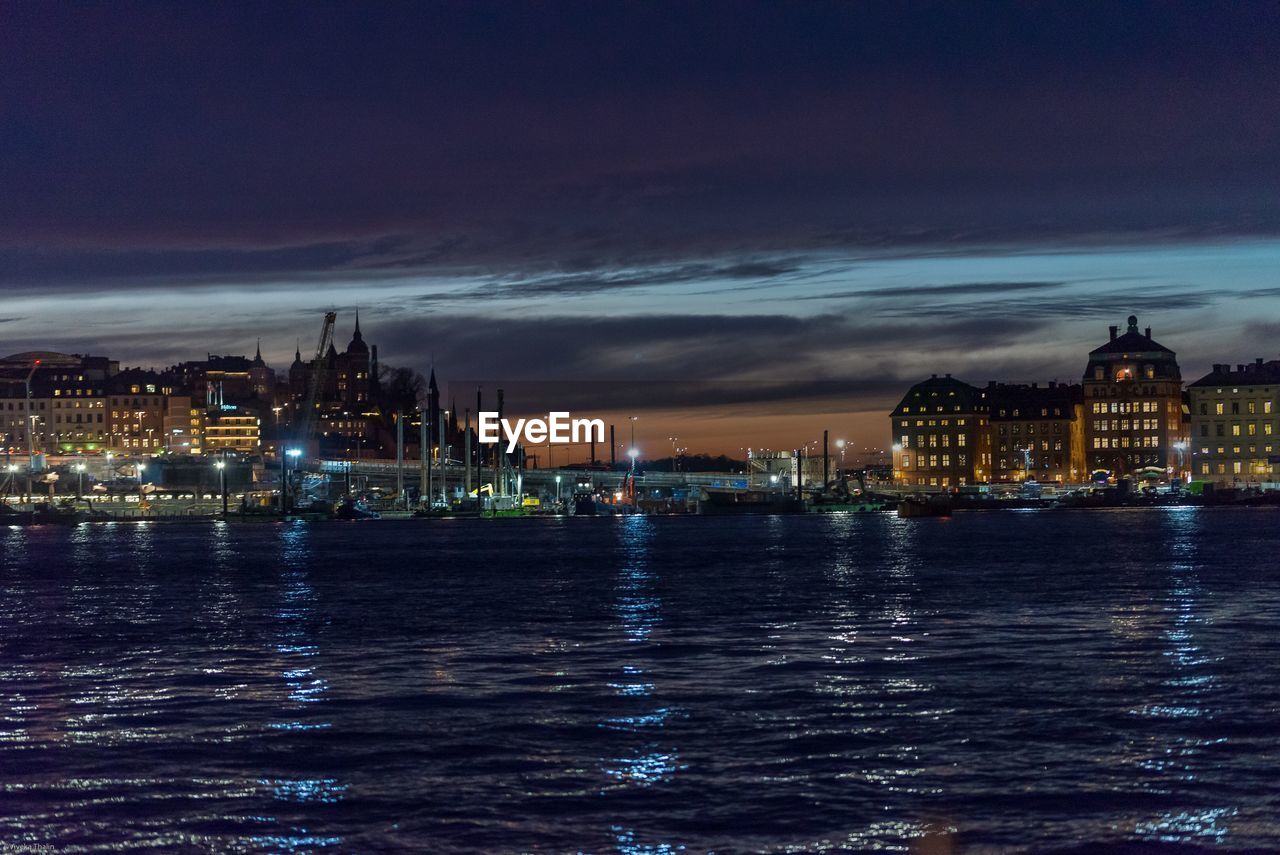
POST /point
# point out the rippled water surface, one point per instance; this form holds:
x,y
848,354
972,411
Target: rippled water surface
x,y
996,681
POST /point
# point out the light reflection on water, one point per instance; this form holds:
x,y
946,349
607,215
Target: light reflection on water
x,y
1015,682
297,653
649,759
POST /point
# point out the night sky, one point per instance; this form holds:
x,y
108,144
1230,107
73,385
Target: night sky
x,y
743,221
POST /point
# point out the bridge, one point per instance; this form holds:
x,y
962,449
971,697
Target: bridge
x,y
534,480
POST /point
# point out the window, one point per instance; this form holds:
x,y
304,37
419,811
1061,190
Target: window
x,y
1218,408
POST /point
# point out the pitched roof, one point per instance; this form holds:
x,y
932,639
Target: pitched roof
x,y
1252,372
1132,342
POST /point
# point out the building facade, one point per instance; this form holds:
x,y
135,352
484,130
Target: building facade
x,y
1235,437
1037,432
1134,413
940,435
238,432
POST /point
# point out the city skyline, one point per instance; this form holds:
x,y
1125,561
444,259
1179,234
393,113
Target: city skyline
x,y
757,197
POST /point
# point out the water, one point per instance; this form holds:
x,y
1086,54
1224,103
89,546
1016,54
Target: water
x,y
1022,681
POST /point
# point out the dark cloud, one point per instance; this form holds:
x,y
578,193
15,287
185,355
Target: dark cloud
x,y
959,289
419,136
1095,305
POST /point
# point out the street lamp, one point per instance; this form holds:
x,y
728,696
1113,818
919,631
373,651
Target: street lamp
x,y
840,444
557,489
284,476
221,466
633,453
80,472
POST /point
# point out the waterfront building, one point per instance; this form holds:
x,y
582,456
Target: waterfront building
x,y
232,431
1037,432
184,424
941,436
1134,413
53,402
136,407
1235,437
350,377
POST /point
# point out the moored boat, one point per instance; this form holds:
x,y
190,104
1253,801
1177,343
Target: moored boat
x,y
937,505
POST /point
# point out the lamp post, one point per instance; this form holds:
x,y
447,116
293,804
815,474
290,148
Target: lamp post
x,y
80,473
633,442
295,453
557,489
222,481
633,453
675,454
142,467
840,444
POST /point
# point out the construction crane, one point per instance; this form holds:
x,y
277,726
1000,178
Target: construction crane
x,y
307,424
31,428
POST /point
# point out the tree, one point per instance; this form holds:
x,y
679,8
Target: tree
x,y
402,388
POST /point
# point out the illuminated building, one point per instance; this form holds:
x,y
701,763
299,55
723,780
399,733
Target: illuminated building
x,y
1037,432
238,432
1134,415
940,435
184,424
1234,424
65,412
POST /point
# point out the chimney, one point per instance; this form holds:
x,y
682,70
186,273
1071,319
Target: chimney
x,y
948,376
1147,333
1114,330
935,376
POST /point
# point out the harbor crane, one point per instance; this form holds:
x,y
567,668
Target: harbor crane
x,y
308,422
307,415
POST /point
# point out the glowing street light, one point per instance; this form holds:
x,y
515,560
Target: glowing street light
x,y
221,466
